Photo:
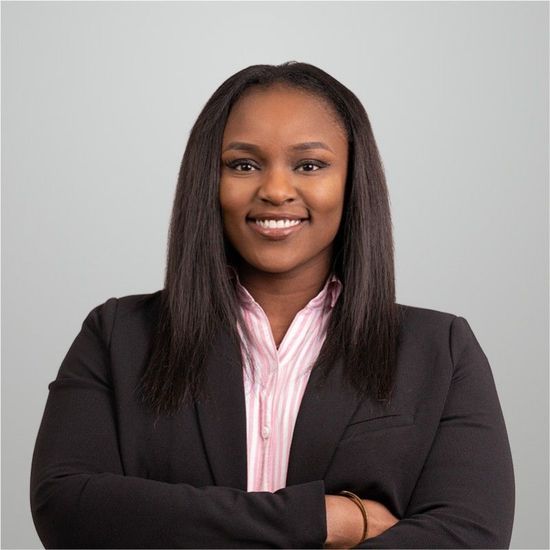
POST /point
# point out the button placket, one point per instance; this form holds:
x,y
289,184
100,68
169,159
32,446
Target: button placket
x,y
266,421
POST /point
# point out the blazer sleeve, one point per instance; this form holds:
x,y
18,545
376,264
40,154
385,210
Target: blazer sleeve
x,y
80,497
465,495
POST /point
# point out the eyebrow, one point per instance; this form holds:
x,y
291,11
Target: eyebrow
x,y
307,145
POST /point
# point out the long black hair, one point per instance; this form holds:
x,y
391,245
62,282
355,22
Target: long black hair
x,y
199,298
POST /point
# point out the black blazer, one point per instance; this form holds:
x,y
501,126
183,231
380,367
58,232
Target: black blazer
x,y
105,475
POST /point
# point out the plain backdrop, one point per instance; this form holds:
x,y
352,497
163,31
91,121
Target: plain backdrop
x,y
97,102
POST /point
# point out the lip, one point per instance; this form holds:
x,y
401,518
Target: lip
x,y
276,233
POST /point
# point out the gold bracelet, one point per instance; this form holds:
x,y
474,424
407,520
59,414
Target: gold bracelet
x,y
359,503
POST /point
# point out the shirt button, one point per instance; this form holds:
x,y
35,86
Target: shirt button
x,y
266,432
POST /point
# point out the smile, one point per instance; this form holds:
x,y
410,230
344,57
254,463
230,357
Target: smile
x,y
276,230
277,223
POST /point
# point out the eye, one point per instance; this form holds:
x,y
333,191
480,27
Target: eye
x,y
241,165
312,165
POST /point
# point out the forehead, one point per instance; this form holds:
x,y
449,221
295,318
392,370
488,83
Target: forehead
x,y
284,113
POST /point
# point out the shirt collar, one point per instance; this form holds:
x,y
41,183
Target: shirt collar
x,y
328,294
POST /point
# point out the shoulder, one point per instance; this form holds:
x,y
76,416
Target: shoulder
x,y
137,304
421,323
423,315
130,303
125,311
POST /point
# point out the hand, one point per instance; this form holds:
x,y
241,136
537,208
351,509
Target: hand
x,y
345,521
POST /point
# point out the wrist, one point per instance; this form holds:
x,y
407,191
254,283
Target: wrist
x,y
344,522
362,509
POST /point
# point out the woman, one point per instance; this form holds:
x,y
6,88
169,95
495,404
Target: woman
x,y
273,394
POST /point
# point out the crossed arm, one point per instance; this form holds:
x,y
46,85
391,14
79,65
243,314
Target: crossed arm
x,y
80,497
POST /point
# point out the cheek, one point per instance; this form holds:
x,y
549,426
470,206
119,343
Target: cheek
x,y
232,201
328,200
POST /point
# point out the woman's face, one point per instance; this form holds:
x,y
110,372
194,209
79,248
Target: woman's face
x,y
284,157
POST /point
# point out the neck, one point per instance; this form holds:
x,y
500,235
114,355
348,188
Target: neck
x,y
282,295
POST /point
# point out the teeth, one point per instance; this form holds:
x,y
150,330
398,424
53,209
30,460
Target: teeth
x,y
272,224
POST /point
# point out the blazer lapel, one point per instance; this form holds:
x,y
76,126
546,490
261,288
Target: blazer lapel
x,y
222,414
323,415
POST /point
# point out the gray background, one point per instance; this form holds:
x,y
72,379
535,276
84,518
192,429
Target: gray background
x,y
97,102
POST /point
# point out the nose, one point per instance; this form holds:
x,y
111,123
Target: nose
x,y
277,187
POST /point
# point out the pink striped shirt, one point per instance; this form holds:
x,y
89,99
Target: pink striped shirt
x,y
280,378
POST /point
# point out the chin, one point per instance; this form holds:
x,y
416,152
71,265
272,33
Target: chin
x,y
273,266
